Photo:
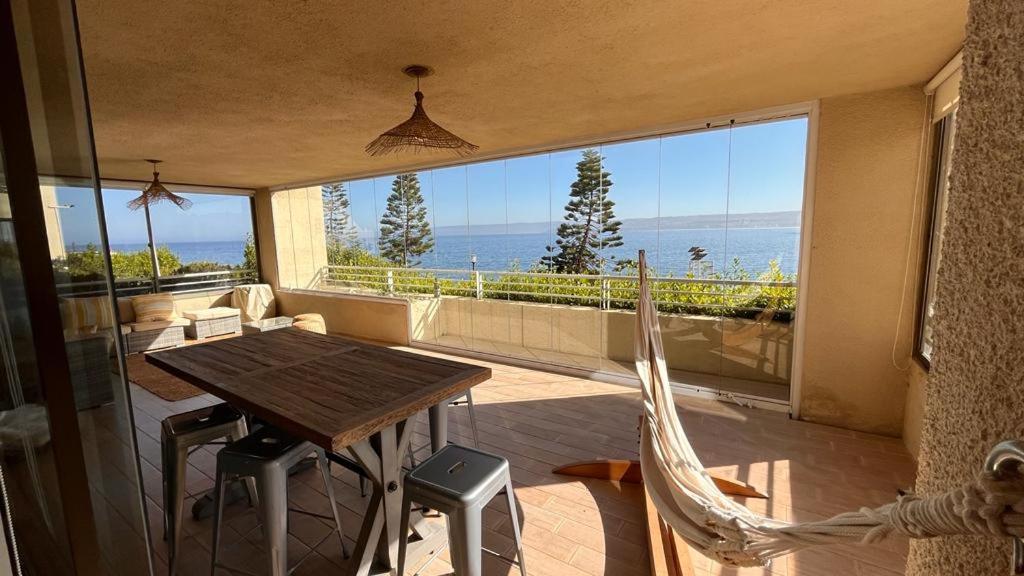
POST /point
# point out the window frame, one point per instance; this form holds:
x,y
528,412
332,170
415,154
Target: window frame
x,y
156,285
942,134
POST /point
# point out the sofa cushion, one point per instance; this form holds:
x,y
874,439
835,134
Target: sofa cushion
x,y
158,324
86,315
211,313
256,301
154,307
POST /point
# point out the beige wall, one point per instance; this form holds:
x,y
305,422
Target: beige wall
x,y
384,320
868,148
692,343
974,391
297,252
51,214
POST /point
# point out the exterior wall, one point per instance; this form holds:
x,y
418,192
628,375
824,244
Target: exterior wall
x,y
973,397
867,164
379,319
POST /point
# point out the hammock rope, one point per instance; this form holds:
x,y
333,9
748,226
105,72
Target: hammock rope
x,y
729,533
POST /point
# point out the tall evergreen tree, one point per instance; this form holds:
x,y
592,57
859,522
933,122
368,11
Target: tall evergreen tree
x,y
404,230
338,225
589,224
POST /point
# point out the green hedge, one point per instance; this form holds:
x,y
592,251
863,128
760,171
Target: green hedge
x,y
685,295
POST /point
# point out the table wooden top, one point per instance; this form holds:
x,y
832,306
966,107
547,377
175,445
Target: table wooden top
x,y
326,389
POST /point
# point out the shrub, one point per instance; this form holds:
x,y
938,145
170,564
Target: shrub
x,y
730,294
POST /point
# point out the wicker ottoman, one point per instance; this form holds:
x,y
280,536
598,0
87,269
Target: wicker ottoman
x,y
212,322
147,336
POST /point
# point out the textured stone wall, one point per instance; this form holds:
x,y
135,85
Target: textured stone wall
x,y
975,392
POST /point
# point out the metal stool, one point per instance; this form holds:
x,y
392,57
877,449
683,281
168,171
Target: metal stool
x,y
180,435
466,399
459,482
266,455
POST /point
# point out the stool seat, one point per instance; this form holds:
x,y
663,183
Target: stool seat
x,y
460,475
266,443
202,419
459,482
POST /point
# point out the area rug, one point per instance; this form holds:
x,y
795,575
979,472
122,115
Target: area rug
x,y
157,381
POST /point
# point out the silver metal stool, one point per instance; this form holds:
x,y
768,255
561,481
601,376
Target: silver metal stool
x,y
463,399
266,455
180,435
459,482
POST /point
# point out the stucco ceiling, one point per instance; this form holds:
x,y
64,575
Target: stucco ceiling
x,y
251,94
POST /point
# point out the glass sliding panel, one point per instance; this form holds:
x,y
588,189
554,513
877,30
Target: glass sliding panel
x,y
30,485
535,256
129,243
633,169
766,189
574,259
455,288
94,412
691,240
526,285
204,247
488,260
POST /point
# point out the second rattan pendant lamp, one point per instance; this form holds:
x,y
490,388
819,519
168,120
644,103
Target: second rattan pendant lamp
x,y
419,131
156,192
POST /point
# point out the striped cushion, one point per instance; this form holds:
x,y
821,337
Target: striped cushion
x,y
154,307
86,315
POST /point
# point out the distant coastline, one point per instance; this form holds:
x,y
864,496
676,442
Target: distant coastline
x,y
751,220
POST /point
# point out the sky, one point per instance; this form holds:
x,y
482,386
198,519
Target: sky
x,y
211,218
749,168
760,170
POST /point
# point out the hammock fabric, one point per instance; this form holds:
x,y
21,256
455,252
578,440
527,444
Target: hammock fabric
x,y
729,533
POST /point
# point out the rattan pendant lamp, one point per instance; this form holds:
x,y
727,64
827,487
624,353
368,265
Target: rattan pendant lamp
x,y
156,192
419,131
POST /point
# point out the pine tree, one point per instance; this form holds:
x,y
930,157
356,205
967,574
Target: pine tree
x,y
338,226
404,230
589,224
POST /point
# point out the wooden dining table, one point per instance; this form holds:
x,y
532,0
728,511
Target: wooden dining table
x,y
345,396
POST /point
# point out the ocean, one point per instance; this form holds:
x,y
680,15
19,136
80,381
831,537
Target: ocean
x,y
666,249
224,252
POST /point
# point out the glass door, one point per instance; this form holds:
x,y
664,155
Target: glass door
x,y
68,456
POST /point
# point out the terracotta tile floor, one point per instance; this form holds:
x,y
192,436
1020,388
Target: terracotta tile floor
x,y
539,420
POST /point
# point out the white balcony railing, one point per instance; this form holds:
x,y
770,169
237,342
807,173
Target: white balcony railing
x,y
607,292
193,282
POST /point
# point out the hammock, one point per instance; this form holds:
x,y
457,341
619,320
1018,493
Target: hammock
x,y
689,500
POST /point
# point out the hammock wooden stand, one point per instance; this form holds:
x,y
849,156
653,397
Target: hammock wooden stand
x,y
670,554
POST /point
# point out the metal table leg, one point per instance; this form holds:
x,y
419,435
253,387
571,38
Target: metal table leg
x,y
438,426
